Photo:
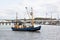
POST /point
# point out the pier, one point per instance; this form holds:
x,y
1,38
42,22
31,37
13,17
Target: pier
x,y
43,22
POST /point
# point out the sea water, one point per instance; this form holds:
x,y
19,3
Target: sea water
x,y
47,32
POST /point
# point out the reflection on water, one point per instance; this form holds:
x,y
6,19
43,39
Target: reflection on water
x,y
47,32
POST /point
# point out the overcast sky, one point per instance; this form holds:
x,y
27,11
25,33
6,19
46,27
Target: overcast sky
x,y
8,8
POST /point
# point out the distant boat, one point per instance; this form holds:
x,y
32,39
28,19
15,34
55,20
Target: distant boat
x,y
19,26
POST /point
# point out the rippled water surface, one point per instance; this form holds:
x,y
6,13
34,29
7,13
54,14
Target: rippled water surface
x,y
47,32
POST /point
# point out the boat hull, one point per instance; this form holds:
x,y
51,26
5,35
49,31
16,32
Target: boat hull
x,y
27,29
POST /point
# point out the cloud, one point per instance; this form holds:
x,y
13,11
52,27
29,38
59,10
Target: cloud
x,y
40,8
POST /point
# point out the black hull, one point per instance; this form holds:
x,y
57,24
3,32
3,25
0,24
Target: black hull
x,y
27,29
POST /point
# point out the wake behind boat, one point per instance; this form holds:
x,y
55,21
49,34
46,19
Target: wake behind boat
x,y
19,26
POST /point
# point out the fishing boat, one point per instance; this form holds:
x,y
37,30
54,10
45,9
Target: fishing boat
x,y
19,26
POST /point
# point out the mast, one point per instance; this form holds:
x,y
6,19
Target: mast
x,y
46,15
16,17
16,25
58,16
31,13
32,17
51,18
